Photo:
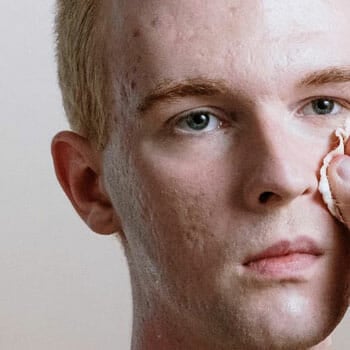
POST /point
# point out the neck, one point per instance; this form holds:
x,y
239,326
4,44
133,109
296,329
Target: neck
x,y
157,334
158,328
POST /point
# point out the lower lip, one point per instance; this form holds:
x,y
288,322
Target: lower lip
x,y
282,266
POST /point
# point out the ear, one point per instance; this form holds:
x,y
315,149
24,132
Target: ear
x,y
78,168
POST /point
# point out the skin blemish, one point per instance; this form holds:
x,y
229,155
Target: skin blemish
x,y
136,33
123,92
233,10
133,85
155,22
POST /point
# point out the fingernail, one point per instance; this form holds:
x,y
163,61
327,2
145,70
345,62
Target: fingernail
x,y
343,169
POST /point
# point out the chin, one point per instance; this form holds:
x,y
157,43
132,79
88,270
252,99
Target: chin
x,y
280,319
309,338
288,333
292,321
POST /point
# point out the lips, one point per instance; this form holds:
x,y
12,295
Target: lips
x,y
285,257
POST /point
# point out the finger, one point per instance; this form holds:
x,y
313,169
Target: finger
x,y
347,147
338,174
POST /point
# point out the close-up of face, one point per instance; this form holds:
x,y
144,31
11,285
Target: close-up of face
x,y
226,110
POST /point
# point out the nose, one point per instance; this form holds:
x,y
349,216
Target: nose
x,y
281,166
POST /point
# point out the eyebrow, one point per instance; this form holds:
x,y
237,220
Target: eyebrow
x,y
327,75
172,90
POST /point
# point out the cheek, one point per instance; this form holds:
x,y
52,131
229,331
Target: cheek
x,y
178,185
179,201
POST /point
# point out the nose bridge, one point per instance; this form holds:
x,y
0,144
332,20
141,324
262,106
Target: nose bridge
x,y
280,168
274,140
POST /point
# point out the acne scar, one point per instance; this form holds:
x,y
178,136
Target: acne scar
x,y
155,22
343,135
123,92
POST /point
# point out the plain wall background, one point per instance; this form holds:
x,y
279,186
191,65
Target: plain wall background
x,y
61,286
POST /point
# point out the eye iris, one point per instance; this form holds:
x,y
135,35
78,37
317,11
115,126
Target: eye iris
x,y
198,121
321,106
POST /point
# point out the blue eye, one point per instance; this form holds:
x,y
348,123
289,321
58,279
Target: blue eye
x,y
198,121
322,106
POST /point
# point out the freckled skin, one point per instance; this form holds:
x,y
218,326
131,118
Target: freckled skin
x,y
190,205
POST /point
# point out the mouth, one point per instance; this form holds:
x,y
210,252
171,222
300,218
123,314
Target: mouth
x,y
284,259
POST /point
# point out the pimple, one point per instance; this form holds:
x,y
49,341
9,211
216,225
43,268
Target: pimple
x,y
136,33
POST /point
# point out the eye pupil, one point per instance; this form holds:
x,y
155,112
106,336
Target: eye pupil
x,y
198,121
322,106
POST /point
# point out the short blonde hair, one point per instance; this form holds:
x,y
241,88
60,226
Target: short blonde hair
x,y
81,67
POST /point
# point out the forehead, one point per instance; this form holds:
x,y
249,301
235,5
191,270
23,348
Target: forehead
x,y
169,40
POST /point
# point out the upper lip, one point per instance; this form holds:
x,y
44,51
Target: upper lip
x,y
302,245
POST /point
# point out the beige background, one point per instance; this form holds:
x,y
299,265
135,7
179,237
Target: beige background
x,y
61,287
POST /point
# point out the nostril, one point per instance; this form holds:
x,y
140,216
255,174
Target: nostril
x,y
264,197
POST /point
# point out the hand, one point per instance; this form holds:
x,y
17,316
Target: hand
x,y
338,174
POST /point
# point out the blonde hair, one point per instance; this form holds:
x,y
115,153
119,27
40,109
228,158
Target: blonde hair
x,y
81,68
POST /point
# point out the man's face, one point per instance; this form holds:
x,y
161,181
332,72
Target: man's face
x,y
228,164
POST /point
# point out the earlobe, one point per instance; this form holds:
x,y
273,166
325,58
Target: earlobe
x,y
79,171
